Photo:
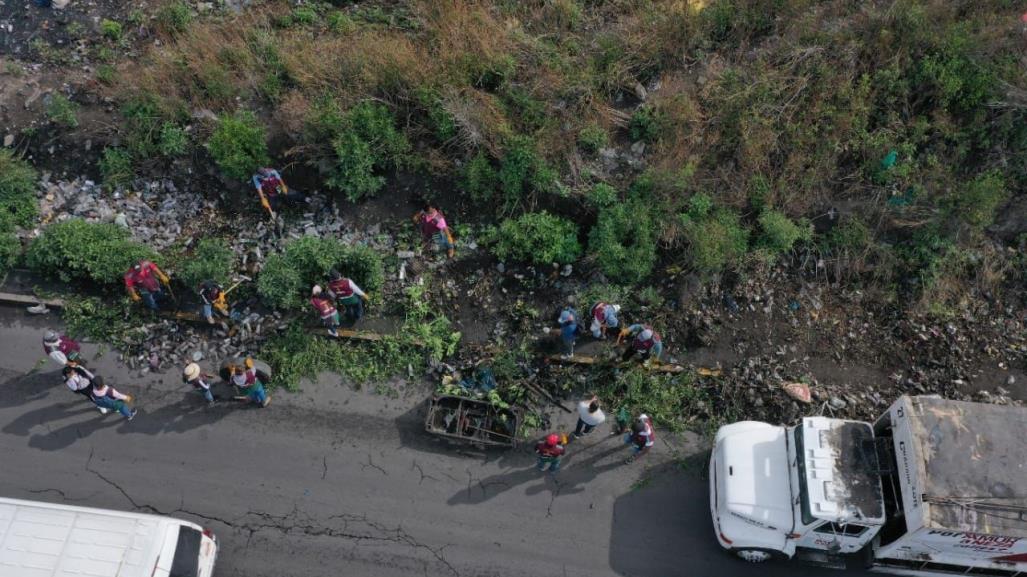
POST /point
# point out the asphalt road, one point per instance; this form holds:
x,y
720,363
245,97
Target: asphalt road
x,y
333,481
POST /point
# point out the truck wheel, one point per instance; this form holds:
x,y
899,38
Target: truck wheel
x,y
753,555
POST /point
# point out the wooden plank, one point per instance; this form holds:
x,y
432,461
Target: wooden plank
x,y
586,360
358,335
18,300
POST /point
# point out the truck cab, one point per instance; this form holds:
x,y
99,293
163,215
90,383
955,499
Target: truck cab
x,y
777,491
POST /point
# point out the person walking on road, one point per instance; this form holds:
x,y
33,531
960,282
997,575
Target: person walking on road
x,y
645,342
325,309
249,383
61,348
107,397
590,416
434,228
80,381
201,382
568,321
549,451
144,282
641,438
347,294
604,316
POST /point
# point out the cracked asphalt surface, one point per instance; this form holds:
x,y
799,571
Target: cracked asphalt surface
x,y
334,481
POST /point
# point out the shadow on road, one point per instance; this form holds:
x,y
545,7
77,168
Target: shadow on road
x,y
34,386
577,470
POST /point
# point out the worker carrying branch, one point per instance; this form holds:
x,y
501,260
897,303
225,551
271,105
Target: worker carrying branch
x,y
61,348
273,191
645,343
145,282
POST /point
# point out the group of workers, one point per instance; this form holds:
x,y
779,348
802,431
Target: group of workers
x,y
553,447
642,341
67,353
147,283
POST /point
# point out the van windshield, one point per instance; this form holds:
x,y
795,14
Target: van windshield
x,y
187,553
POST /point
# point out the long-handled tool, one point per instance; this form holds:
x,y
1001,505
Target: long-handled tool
x,y
221,302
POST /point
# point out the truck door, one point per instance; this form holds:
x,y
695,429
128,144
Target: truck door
x,y
836,537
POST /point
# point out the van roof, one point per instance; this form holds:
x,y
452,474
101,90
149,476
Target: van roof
x,y
48,540
972,463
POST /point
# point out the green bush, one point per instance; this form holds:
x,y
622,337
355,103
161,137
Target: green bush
x,y
78,250
304,15
851,234
977,203
715,237
592,138
17,189
10,246
111,29
173,140
441,122
646,124
287,277
62,111
602,195
116,168
212,258
239,145
539,238
106,74
174,17
479,178
340,22
623,242
367,143
779,233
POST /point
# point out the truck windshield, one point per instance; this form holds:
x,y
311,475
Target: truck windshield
x,y
187,553
800,460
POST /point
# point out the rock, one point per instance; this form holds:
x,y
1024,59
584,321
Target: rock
x,y
638,148
567,270
1010,381
197,356
121,220
798,391
501,268
837,403
9,140
405,254
640,92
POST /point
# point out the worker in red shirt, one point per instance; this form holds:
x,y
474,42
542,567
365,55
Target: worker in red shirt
x,y
325,308
347,294
433,227
61,348
145,281
549,451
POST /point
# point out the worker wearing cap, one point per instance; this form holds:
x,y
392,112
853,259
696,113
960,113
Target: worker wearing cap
x,y
433,227
322,303
61,348
105,396
645,342
347,294
211,293
248,381
641,438
604,316
201,382
143,282
273,192
549,451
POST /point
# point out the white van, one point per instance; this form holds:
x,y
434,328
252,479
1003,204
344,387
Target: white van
x,y
48,540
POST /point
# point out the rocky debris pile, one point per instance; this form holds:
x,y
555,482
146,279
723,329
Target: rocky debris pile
x,y
155,215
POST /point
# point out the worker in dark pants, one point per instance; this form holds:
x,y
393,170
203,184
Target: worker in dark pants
x,y
549,452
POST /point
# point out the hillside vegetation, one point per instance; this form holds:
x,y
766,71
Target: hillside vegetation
x,y
873,142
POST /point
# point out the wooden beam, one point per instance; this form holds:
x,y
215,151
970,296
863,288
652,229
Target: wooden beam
x,y
18,300
586,360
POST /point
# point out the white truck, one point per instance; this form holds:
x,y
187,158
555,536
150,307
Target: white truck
x,y
934,487
50,540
